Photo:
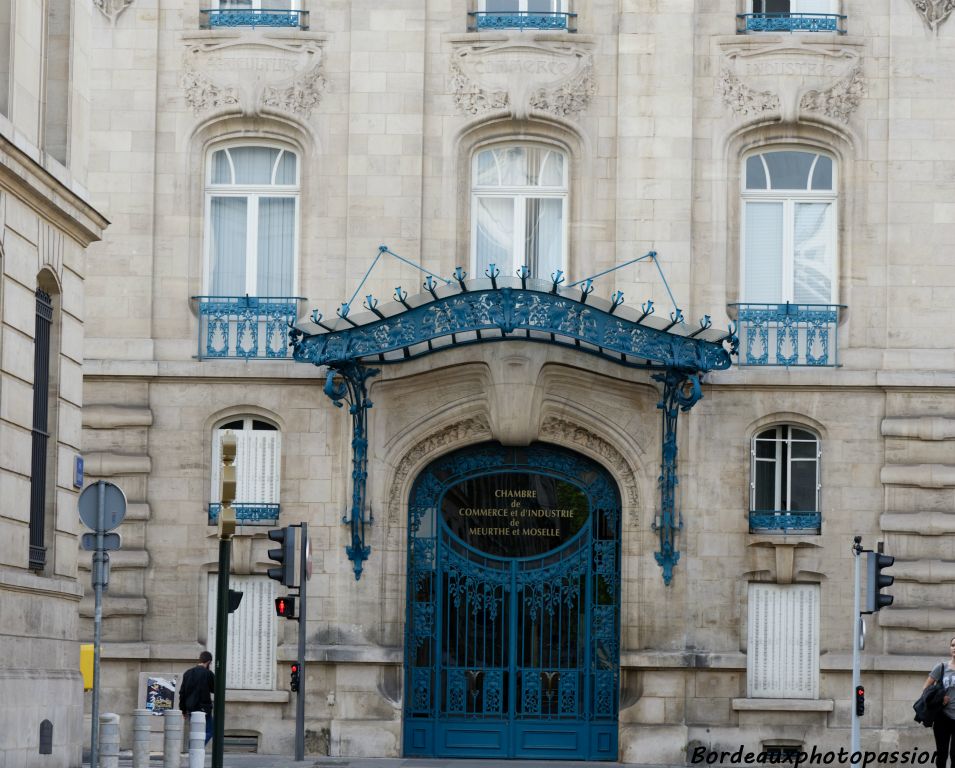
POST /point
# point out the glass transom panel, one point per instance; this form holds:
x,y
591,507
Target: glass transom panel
x,y
789,170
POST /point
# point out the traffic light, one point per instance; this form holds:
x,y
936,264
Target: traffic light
x,y
285,607
860,700
876,581
284,555
293,682
235,597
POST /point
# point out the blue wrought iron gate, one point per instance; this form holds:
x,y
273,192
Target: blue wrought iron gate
x,y
512,640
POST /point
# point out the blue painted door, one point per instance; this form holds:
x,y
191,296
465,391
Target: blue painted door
x,y
512,641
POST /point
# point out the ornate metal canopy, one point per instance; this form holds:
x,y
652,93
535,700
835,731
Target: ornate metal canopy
x,y
458,312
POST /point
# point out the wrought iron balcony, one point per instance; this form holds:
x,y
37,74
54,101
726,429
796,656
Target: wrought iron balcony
x,y
480,20
247,514
788,334
245,327
790,22
210,18
770,521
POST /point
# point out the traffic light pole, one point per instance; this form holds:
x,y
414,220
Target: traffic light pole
x,y
856,642
302,611
222,645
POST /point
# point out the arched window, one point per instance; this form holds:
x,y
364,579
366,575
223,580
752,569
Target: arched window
x,y
784,481
788,240
519,210
252,197
258,463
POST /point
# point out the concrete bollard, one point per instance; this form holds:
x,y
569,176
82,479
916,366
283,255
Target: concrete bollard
x,y
109,740
141,737
197,740
172,738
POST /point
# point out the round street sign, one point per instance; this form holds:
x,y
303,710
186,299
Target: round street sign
x,y
114,506
308,558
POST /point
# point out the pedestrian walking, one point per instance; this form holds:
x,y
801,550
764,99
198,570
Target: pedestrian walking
x,y
944,725
198,685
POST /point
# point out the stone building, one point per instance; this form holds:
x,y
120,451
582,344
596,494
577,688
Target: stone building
x,y
790,166
46,222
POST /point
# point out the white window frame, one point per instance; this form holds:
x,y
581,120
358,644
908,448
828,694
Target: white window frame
x,y
295,5
520,194
252,193
784,437
557,6
247,425
789,198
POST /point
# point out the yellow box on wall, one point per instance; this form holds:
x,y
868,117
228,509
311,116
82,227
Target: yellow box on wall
x,y
86,665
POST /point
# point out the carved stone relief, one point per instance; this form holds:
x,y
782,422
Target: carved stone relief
x,y
573,435
252,76
112,8
783,80
451,435
521,77
839,101
934,12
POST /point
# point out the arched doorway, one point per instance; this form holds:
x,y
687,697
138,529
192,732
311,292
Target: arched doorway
x,y
513,625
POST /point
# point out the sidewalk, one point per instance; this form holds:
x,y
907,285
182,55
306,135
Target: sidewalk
x,y
281,761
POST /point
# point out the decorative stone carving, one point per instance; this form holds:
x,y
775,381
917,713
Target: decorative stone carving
x,y
934,12
253,74
518,76
451,435
840,101
782,80
112,8
573,435
743,100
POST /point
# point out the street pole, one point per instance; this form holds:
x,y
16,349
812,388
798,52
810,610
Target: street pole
x,y
226,529
300,701
856,621
98,557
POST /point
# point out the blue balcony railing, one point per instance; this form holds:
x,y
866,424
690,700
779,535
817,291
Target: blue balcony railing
x,y
790,22
788,334
245,327
769,521
246,17
480,20
248,514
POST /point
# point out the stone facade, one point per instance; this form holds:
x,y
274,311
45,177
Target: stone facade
x,y
46,222
656,106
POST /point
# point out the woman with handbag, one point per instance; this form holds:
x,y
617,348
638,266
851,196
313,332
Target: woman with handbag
x,y
944,725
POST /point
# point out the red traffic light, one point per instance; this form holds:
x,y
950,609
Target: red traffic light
x,y
294,679
285,607
860,700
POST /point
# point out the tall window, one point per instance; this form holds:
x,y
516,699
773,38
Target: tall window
x,y
252,197
41,427
57,80
785,472
519,210
795,6
789,228
526,6
257,468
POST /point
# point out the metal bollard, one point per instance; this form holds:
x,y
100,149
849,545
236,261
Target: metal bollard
x,y
141,737
172,738
197,740
109,740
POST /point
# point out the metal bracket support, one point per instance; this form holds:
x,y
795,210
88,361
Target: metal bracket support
x,y
675,398
351,388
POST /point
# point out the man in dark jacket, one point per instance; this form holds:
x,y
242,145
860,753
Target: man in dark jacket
x,y
195,695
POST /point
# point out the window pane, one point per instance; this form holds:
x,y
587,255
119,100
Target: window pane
x,y
227,245
500,6
822,174
276,246
488,169
789,170
802,434
221,172
495,234
766,449
542,6
764,253
285,172
552,170
543,236
812,251
765,485
813,6
803,487
803,449
235,4
253,165
514,166
755,173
